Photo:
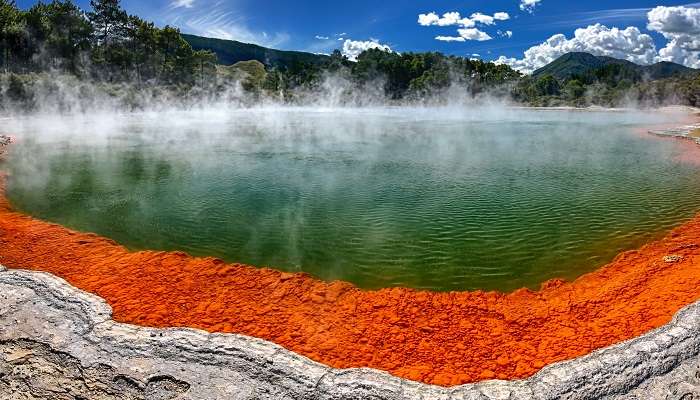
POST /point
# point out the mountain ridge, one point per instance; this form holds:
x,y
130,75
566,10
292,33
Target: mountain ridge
x,y
566,66
232,51
581,63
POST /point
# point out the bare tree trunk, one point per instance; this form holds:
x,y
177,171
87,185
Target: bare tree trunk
x,y
6,55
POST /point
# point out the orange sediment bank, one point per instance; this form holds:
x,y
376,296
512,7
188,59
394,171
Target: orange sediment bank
x,y
439,338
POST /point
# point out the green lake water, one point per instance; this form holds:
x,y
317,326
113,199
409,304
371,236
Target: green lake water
x,y
440,199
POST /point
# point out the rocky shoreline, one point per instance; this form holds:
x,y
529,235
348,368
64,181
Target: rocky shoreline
x,y
444,339
687,132
4,142
61,343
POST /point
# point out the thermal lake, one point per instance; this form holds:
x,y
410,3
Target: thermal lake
x,y
441,199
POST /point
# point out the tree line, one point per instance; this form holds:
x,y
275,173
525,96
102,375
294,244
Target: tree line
x,y
109,45
105,43
608,86
393,76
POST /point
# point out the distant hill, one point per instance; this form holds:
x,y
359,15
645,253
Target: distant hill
x,y
581,63
231,52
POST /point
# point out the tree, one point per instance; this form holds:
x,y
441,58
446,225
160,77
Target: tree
x,y
547,86
57,35
60,32
178,64
11,32
144,47
337,61
110,52
574,89
109,21
205,66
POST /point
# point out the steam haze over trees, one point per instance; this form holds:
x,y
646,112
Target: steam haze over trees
x,y
106,51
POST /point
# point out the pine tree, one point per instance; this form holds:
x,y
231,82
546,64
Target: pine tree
x,y
109,20
10,29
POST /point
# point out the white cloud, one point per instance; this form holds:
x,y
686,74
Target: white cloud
x,y
182,3
213,18
466,34
428,19
682,51
529,5
627,44
353,48
447,19
508,34
517,64
474,34
468,30
450,38
681,27
482,18
672,21
453,18
501,16
319,37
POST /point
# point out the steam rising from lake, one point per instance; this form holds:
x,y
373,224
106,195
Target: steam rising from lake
x,y
440,198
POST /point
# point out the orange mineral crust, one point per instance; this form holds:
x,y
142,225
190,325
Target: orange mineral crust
x,y
439,338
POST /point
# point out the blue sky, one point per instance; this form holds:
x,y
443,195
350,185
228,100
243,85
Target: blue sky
x,y
316,25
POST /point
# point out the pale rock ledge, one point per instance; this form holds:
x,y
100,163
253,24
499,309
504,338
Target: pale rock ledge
x,y
57,342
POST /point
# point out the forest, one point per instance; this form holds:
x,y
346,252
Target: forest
x,y
104,44
56,46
